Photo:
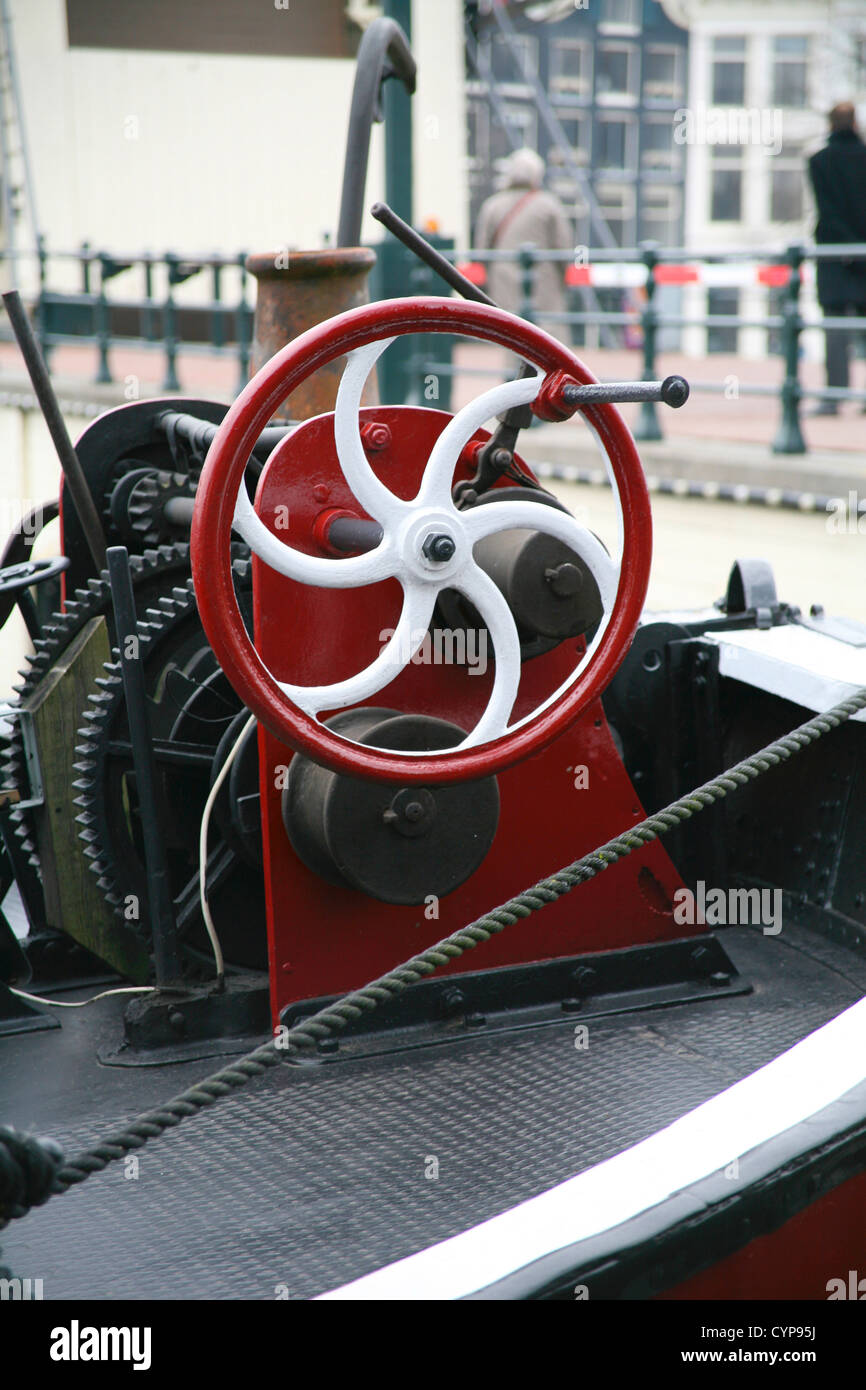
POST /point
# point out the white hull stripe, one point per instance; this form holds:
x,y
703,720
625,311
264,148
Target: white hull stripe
x,y
792,1088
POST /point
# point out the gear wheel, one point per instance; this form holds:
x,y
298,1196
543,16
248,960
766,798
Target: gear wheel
x,y
147,503
194,716
152,573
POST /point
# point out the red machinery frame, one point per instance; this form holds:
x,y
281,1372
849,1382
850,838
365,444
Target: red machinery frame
x,y
325,938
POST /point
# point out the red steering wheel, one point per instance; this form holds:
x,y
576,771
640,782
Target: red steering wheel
x,y
426,544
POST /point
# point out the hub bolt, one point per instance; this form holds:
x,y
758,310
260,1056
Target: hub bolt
x,y
439,548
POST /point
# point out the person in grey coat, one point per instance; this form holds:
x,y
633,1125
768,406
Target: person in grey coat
x,y
524,212
838,174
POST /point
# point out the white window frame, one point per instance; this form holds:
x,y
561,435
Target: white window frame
x,y
791,160
678,85
670,161
629,120
777,59
603,188
631,94
581,153
722,57
576,86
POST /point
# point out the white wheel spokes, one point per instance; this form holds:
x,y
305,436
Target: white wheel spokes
x,y
512,516
350,573
435,488
373,496
376,499
407,638
475,585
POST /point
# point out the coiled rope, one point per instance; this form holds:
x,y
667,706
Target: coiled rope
x,y
19,1190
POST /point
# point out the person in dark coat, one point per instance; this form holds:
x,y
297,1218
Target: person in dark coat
x,y
838,175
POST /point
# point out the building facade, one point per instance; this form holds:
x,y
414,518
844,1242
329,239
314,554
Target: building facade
x,y
198,126
613,73
762,76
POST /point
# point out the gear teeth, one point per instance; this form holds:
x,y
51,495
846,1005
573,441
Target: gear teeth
x,y
164,568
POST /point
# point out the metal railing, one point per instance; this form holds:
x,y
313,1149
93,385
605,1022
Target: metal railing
x,y
151,317
221,320
784,273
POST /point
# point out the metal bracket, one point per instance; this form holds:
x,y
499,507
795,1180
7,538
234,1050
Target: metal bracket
x,y
521,997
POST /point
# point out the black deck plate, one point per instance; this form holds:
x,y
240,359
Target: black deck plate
x,y
315,1175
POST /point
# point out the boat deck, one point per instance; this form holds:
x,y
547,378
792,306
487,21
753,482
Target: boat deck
x,y
315,1175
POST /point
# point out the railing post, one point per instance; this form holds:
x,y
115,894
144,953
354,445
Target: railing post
x,y
41,316
103,335
647,425
169,327
527,281
148,323
789,437
216,332
243,327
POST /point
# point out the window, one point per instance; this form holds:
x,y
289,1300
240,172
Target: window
x,y
573,199
729,71
787,182
616,143
658,150
660,214
477,134
522,123
577,131
662,74
621,12
617,202
616,70
514,62
570,68
726,186
790,58
722,338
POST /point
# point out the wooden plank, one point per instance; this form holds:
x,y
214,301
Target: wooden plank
x,y
73,901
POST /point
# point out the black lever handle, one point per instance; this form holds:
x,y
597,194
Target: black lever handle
x,y
673,391
428,254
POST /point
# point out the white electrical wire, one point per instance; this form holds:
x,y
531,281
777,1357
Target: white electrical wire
x,y
79,1004
202,888
202,848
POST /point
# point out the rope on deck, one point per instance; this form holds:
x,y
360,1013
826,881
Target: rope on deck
x,y
18,1193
